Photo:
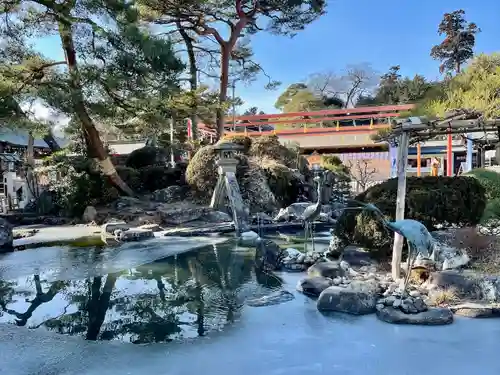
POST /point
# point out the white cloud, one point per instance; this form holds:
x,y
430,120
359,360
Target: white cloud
x,y
40,112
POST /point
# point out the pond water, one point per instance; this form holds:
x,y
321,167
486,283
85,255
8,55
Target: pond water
x,y
173,298
144,293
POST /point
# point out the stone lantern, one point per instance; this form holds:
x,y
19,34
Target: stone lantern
x,y
227,161
228,185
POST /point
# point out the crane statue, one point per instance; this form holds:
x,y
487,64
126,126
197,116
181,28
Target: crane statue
x,y
312,212
420,241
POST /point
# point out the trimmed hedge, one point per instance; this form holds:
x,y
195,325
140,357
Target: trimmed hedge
x,y
430,200
147,156
490,180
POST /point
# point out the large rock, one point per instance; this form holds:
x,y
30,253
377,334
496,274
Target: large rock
x,y
431,317
268,255
356,256
448,257
90,214
358,298
217,217
6,236
134,234
255,190
169,194
335,247
177,214
313,286
467,284
326,269
476,310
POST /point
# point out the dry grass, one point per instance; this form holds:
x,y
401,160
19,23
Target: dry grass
x,y
444,297
483,250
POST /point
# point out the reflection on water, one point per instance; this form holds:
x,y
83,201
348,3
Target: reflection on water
x,y
178,297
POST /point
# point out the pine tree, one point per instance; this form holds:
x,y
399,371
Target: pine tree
x,y
111,66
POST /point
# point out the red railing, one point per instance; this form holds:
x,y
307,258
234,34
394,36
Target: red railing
x,y
314,117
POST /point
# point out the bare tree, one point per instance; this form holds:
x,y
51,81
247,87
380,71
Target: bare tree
x,y
359,80
356,80
362,173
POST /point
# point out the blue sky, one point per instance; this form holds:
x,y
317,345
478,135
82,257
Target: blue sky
x,y
383,33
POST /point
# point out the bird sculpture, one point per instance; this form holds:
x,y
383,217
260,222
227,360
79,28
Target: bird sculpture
x,y
420,241
312,212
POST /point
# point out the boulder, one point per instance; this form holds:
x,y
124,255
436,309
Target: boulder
x,y
112,226
248,239
261,218
128,202
177,214
335,247
89,215
356,256
134,235
268,255
313,286
6,236
169,194
431,317
326,269
217,217
448,257
467,284
476,310
358,298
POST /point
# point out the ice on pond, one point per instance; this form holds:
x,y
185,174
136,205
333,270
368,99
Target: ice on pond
x,y
66,263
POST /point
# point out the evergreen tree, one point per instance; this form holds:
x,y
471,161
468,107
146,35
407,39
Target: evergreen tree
x,y
111,67
458,46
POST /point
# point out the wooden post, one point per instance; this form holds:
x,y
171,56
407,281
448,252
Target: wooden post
x,y
469,152
419,160
449,155
400,204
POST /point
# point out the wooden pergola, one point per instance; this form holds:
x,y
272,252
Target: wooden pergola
x,y
423,128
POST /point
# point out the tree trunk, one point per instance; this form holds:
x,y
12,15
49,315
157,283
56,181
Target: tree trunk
x,y
193,76
30,167
95,147
224,82
99,304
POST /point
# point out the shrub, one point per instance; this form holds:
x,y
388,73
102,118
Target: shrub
x,y
281,180
131,177
282,184
430,200
75,190
491,211
241,140
159,177
490,180
270,146
147,156
201,172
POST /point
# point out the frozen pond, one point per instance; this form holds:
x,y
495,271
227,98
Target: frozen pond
x,y
189,311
